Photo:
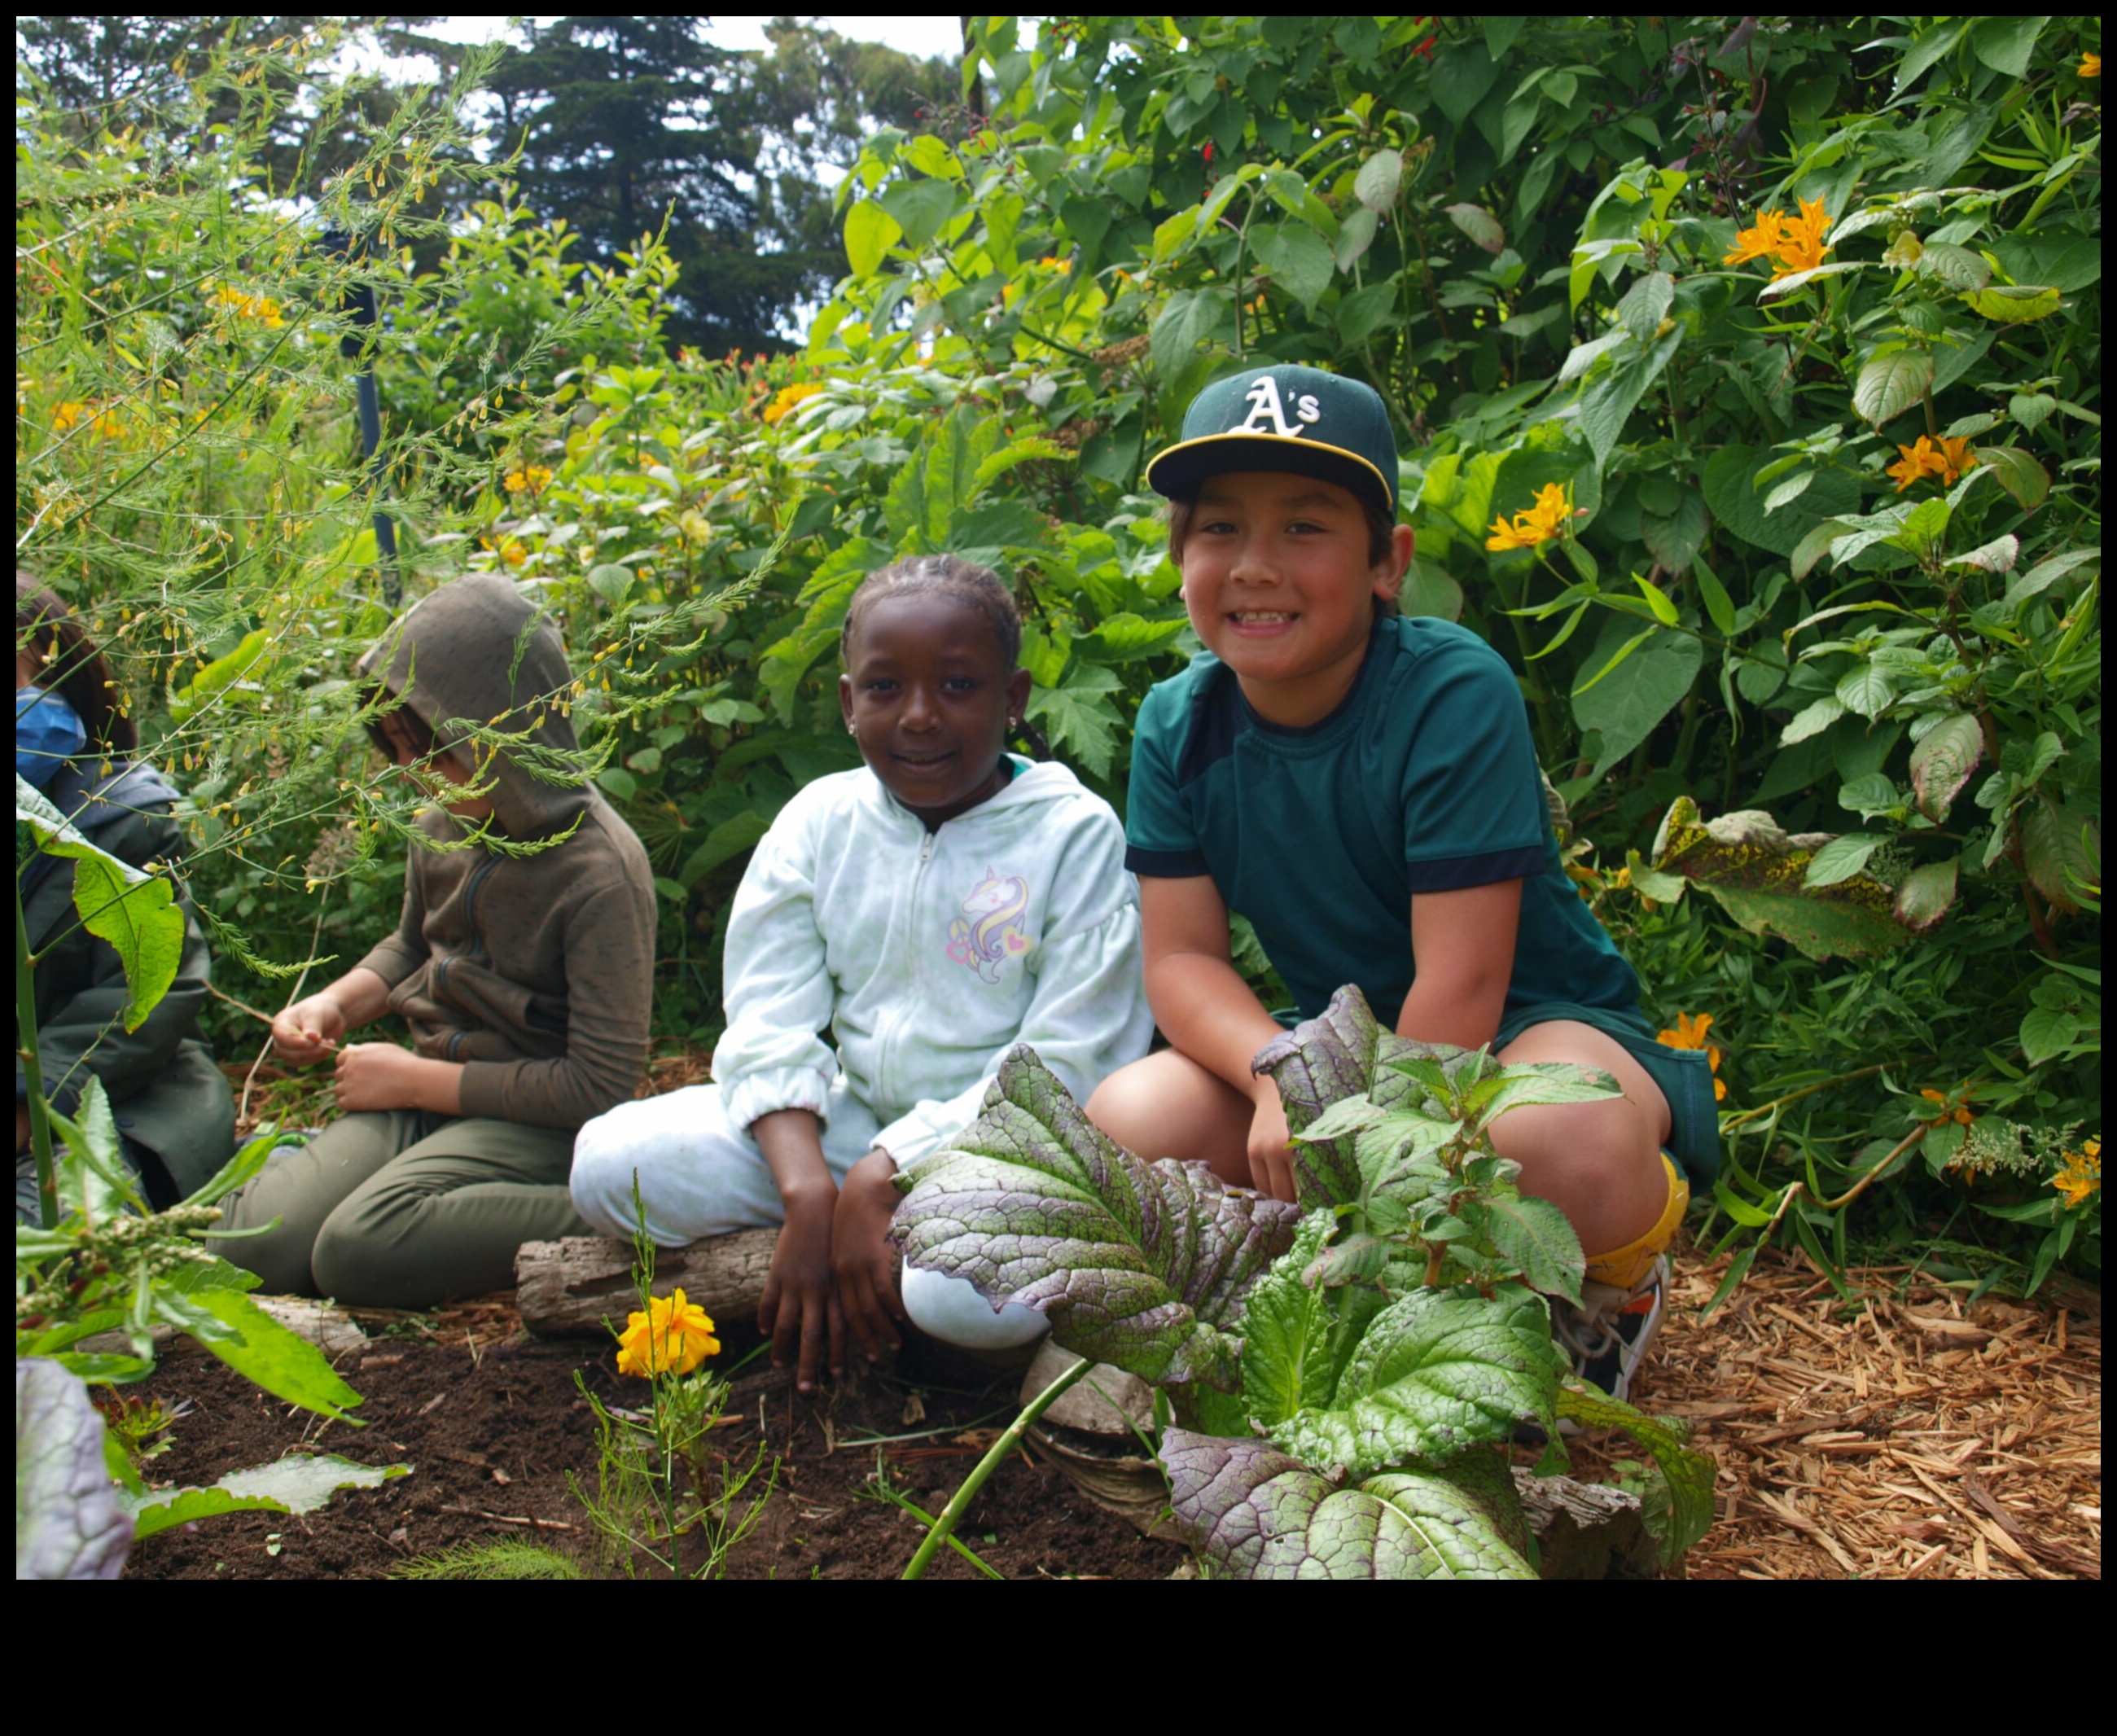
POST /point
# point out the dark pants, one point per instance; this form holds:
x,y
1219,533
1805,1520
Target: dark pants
x,y
402,1209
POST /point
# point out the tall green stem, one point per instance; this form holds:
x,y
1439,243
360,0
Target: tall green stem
x,y
33,1071
1008,1442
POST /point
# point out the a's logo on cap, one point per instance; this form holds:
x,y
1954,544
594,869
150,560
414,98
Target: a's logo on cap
x,y
1264,402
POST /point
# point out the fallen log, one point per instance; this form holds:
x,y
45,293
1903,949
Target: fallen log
x,y
581,1287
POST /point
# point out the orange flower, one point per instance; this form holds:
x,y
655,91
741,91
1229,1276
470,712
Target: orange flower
x,y
1544,520
1759,241
2090,67
1947,459
2080,1175
1690,1033
1959,1114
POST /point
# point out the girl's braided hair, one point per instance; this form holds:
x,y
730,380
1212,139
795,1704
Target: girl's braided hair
x,y
946,575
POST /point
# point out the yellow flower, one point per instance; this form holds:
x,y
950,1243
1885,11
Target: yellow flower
x,y
72,413
1544,520
2080,1175
1760,241
1690,1033
1960,1113
529,479
672,1337
261,308
785,399
2091,65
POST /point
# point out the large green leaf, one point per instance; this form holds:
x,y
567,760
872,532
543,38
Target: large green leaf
x,y
1438,1371
1255,1513
870,233
257,1347
1143,1265
1689,1472
1730,492
136,912
1626,703
1298,1336
300,1483
1759,875
1890,384
1298,258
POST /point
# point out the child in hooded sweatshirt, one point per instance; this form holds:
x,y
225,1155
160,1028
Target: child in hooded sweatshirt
x,y
526,978
928,912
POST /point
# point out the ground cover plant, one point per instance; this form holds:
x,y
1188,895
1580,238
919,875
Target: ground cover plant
x,y
1340,1377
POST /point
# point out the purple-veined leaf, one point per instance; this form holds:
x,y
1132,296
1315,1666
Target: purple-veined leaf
x,y
1926,895
1142,1265
1322,1061
1255,1513
68,1522
1942,762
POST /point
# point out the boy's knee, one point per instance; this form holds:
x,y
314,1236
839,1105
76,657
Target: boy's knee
x,y
344,1260
951,1310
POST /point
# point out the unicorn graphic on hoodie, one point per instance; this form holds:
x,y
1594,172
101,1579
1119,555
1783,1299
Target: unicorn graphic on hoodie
x,y
997,910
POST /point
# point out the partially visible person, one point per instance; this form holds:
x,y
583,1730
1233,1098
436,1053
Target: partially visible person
x,y
929,911
73,742
526,978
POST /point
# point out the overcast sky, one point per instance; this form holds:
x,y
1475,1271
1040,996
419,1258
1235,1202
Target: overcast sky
x,y
923,37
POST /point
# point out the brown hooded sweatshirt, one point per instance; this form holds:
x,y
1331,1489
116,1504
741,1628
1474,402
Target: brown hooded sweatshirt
x,y
536,972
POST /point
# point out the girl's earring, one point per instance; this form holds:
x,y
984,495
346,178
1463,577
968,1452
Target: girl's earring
x,y
850,729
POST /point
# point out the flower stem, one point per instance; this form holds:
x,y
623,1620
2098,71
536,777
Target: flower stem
x,y
1010,1439
32,1073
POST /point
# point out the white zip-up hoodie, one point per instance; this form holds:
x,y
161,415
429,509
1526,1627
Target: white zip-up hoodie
x,y
930,955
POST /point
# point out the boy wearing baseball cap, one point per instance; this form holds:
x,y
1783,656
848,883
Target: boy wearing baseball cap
x,y
1362,786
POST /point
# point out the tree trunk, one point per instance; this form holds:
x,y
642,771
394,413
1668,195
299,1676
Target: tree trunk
x,y
582,1286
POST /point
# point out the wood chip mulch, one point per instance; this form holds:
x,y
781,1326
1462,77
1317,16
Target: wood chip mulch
x,y
1899,1436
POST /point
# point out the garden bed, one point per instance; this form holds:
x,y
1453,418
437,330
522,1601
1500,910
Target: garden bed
x,y
1903,1437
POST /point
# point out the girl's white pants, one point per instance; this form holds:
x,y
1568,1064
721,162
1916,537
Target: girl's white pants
x,y
699,1174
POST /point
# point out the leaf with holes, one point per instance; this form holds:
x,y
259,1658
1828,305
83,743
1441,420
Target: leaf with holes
x,y
1143,1265
1257,1514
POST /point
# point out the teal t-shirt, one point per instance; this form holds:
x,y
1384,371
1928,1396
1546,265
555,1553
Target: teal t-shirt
x,y
1423,780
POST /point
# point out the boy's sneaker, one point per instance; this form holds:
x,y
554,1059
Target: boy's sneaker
x,y
1606,1338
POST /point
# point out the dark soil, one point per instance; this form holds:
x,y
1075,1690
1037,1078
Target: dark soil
x,y
492,1432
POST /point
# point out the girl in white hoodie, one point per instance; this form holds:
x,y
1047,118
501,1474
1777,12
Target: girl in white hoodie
x,y
929,913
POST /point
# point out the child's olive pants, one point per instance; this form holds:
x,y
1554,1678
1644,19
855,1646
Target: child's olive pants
x,y
402,1209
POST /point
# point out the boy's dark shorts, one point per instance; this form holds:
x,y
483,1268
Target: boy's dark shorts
x,y
1685,1076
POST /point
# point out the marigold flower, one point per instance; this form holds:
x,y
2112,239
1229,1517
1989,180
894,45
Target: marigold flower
x,y
529,479
672,1337
2091,65
785,399
2080,1175
1544,520
1690,1033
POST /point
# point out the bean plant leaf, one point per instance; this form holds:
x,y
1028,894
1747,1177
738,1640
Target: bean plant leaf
x,y
1320,1062
1254,1513
1438,1371
1942,762
1143,1265
136,912
1689,1472
68,1524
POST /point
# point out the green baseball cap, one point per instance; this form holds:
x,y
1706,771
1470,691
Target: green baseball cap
x,y
1284,418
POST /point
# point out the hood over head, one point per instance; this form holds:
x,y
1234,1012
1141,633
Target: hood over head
x,y
475,652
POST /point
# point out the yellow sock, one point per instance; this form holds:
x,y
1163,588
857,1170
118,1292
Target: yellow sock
x,y
1622,1267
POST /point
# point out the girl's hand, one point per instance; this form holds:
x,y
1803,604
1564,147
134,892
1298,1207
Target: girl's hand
x,y
309,1030
1272,1162
860,1259
801,1307
372,1076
